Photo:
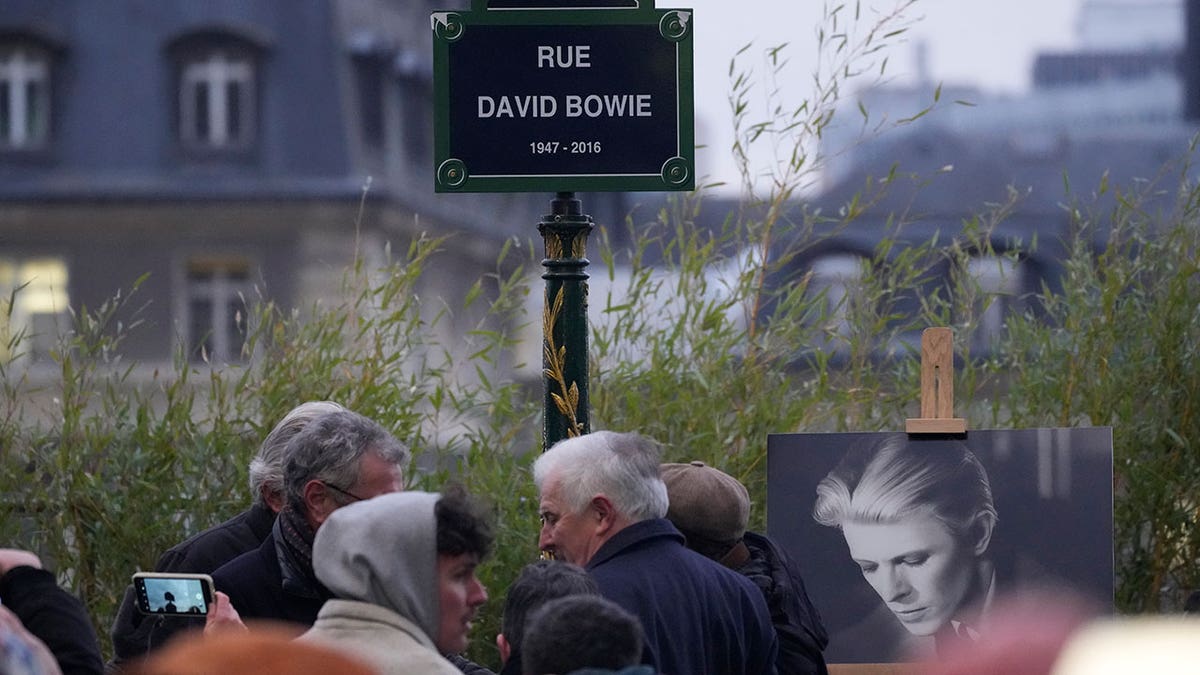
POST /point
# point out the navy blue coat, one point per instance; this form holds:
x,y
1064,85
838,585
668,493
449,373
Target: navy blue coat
x,y
699,617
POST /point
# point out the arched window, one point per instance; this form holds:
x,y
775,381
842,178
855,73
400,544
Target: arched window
x,y
217,76
216,101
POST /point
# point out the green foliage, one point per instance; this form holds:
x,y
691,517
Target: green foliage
x,y
1118,347
109,464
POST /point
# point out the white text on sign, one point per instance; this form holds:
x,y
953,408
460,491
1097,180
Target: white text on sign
x,y
571,105
575,105
564,56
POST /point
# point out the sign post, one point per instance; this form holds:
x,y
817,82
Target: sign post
x,y
563,96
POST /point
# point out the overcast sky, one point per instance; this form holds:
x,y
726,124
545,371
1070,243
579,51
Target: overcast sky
x,y
985,43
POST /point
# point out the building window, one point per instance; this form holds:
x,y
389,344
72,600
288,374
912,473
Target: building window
x,y
415,77
370,73
416,106
34,307
996,283
217,99
24,97
216,317
836,276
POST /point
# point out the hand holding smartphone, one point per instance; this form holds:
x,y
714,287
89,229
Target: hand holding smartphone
x,y
173,594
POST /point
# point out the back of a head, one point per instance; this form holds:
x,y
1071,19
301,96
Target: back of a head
x,y
260,650
330,449
623,466
580,631
537,584
709,506
266,469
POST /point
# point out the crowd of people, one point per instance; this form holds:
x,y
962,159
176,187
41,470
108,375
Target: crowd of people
x,y
334,567
334,557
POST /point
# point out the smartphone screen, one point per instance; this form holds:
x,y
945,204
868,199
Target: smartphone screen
x,y
183,594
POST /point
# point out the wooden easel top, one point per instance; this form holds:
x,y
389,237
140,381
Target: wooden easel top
x,y
937,386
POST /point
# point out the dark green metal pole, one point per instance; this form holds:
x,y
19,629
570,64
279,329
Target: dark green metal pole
x,y
564,320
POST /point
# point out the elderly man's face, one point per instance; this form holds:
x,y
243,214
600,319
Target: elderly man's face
x,y
569,536
919,569
377,476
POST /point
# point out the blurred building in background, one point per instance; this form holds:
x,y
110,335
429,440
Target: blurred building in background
x,y
1124,78
223,148
1105,116
1109,113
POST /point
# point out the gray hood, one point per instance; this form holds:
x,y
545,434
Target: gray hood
x,y
384,551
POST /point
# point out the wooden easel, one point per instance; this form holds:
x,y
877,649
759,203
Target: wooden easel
x,y
937,386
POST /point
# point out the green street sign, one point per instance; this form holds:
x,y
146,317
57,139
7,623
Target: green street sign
x,y
591,96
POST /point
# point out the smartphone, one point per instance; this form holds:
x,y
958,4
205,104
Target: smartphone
x,y
169,594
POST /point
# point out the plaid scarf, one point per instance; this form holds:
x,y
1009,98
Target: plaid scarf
x,y
293,546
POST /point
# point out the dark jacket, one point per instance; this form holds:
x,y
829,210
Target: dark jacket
x,y
55,616
699,618
258,587
802,636
205,552
134,633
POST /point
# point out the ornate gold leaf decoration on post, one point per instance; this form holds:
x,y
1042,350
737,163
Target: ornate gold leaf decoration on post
x,y
566,399
579,245
554,247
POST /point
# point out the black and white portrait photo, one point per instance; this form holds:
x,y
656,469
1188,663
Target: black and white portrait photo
x,y
905,541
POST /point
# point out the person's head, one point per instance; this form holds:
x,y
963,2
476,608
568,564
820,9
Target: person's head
x,y
918,519
592,487
414,553
710,507
464,538
340,458
580,631
537,584
266,469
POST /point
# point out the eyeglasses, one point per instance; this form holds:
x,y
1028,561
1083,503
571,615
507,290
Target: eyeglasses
x,y
346,493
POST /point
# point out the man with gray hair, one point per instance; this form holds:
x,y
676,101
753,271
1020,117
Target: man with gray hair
x,y
603,506
133,633
339,458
